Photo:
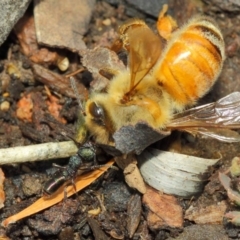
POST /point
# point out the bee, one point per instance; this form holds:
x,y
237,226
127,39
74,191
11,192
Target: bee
x,y
166,74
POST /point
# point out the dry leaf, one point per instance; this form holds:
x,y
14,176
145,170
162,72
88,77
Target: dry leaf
x,y
164,210
96,229
233,217
174,173
234,196
2,193
43,203
212,214
131,172
54,107
134,212
24,108
134,178
44,55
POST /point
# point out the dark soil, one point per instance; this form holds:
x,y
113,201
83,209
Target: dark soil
x,y
69,219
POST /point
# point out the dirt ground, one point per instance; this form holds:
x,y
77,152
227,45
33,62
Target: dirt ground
x,y
28,99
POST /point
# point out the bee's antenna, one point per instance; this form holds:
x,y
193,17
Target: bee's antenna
x,y
74,88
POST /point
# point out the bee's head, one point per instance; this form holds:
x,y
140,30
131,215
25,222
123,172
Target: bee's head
x,y
98,121
97,113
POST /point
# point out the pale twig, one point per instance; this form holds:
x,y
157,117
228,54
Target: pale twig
x,y
38,152
74,73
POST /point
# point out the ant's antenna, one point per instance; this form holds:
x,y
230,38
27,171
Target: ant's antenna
x,y
81,129
74,88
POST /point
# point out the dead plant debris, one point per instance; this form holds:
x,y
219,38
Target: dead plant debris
x,y
58,39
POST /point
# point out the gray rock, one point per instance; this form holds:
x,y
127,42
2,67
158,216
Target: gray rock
x,y
152,7
10,12
202,232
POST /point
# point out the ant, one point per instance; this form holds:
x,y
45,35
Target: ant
x,y
80,163
77,165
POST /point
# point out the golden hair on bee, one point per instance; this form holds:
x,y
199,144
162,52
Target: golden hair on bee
x,y
159,81
123,30
191,61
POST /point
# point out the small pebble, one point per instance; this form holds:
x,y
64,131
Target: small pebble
x,y
5,105
106,22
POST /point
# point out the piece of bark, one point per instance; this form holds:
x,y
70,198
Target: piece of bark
x,y
97,231
212,214
58,82
134,178
134,211
164,210
131,172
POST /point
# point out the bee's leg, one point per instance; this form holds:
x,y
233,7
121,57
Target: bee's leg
x,y
148,103
117,45
165,24
108,73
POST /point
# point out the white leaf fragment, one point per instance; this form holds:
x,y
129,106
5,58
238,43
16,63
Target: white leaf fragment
x,y
174,173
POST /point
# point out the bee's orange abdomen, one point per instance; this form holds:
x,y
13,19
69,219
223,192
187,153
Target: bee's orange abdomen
x,y
192,61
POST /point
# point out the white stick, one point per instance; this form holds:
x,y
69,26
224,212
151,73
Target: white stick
x,y
44,151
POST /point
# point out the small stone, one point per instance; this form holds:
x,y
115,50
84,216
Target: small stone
x,y
5,105
106,22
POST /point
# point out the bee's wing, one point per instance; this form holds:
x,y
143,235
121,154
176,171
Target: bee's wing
x,y
221,134
213,119
144,50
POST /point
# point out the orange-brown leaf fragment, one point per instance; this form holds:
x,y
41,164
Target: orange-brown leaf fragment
x,y
24,108
54,107
131,172
2,193
164,210
134,178
44,203
44,55
212,214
